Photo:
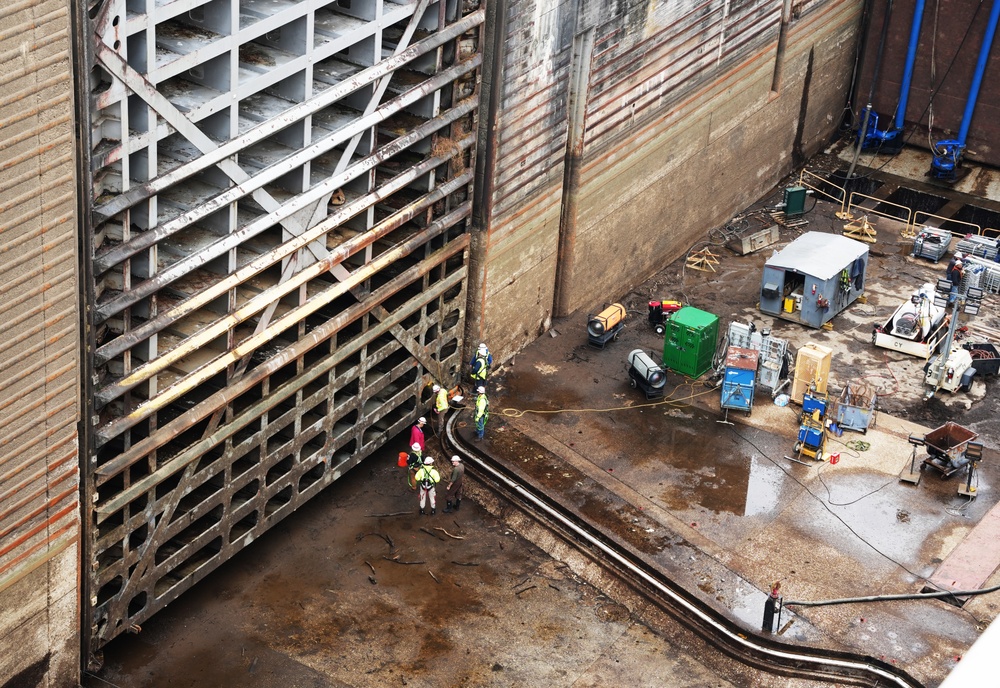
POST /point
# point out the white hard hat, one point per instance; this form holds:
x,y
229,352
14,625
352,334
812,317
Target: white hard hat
x,y
421,420
428,461
958,263
958,255
481,390
415,446
482,347
437,388
455,459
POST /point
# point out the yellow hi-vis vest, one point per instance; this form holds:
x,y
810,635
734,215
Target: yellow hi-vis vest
x,y
427,476
441,401
480,366
482,407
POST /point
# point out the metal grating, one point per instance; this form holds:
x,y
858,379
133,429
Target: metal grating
x,y
280,192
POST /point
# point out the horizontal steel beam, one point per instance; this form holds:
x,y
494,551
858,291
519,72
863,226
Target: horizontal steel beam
x,y
205,372
219,399
207,333
198,301
294,114
194,451
260,224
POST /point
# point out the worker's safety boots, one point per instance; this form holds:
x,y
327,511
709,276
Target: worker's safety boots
x,y
447,507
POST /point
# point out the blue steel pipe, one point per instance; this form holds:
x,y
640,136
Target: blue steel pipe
x,y
977,78
911,55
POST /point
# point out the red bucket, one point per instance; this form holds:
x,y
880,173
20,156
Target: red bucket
x,y
401,461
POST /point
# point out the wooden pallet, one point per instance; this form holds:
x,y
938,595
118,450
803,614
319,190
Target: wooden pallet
x,y
780,217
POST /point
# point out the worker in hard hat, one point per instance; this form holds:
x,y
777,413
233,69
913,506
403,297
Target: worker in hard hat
x,y
427,479
955,276
440,408
414,460
951,263
482,413
453,491
417,433
480,365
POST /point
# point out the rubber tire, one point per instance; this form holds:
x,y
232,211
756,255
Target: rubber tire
x,y
660,329
632,383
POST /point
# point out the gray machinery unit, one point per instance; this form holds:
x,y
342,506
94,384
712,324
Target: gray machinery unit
x,y
855,408
774,361
931,243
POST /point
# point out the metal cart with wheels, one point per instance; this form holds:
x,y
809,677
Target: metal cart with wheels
x,y
946,448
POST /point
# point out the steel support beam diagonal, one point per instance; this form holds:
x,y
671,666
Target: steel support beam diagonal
x,y
295,114
153,236
254,267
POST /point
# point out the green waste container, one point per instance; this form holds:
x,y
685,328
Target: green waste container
x,y
689,342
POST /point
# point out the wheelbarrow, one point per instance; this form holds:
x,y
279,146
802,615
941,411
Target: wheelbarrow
x,y
946,448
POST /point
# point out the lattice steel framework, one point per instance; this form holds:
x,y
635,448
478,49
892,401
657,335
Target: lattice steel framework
x,y
280,192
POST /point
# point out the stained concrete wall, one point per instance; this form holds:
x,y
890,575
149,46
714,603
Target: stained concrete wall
x,y
39,345
684,126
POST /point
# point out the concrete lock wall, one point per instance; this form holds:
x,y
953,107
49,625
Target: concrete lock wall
x,y
688,114
39,344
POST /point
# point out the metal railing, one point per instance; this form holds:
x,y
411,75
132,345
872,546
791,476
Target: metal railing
x,y
872,211
914,219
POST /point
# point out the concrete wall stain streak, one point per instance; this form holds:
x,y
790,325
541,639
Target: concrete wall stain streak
x,y
39,350
682,129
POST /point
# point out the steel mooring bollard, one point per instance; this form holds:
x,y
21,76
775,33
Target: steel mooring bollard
x,y
772,609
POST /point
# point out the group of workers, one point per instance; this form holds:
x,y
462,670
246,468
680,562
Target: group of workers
x,y
426,477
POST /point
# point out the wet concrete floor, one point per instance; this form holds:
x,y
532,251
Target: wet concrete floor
x,y
351,592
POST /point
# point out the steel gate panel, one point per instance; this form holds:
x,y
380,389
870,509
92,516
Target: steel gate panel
x,y
280,194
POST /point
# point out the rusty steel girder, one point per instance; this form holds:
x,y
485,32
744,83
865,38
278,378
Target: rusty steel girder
x,y
279,232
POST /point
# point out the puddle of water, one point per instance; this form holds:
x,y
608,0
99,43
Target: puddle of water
x,y
746,603
712,471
